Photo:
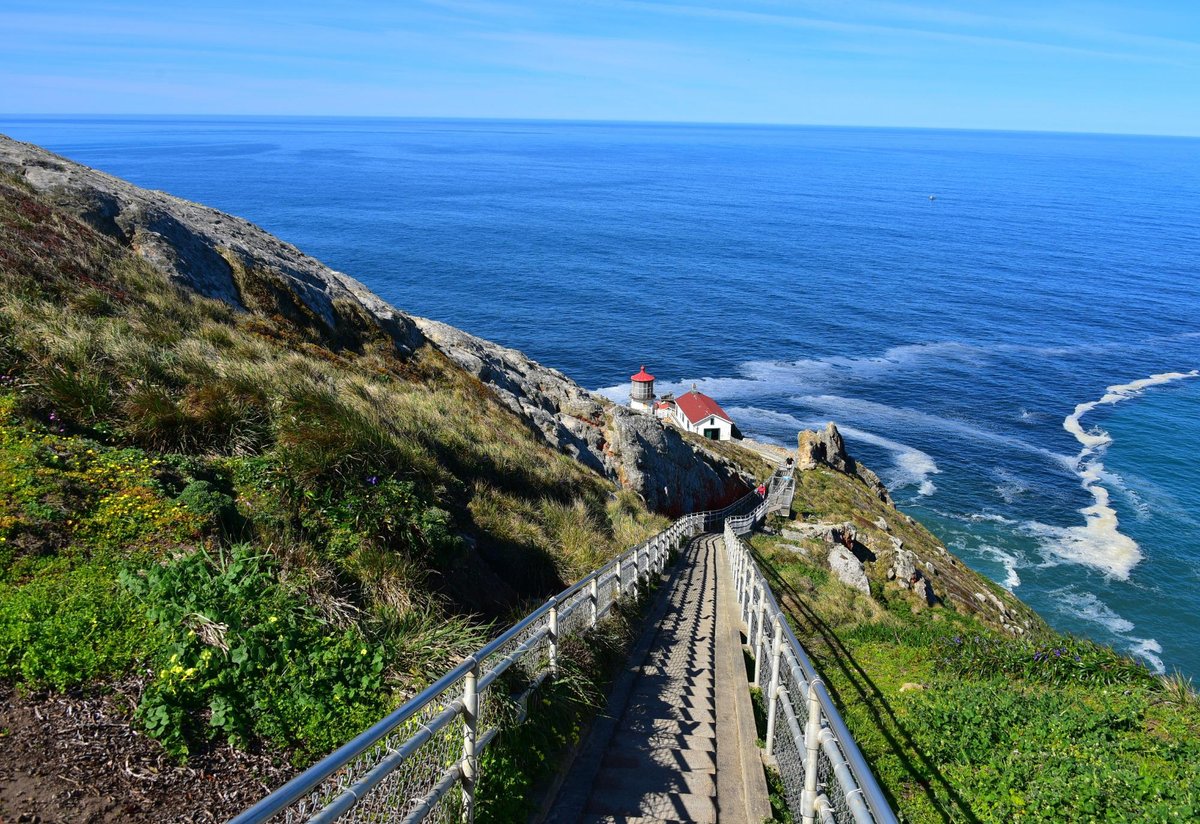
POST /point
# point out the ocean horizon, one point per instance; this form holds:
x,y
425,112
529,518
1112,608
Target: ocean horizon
x,y
1004,325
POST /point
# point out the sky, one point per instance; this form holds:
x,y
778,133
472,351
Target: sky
x,y
1081,66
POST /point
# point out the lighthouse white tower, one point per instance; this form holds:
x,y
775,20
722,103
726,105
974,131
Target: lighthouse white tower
x,y
641,393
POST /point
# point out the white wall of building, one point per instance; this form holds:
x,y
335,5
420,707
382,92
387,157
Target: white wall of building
x,y
724,427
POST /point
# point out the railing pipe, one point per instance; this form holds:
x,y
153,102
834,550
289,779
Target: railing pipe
x,y
812,751
552,635
773,691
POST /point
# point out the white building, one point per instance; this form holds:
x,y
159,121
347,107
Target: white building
x,y
697,412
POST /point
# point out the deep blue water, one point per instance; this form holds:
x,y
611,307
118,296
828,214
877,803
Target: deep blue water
x,y
800,275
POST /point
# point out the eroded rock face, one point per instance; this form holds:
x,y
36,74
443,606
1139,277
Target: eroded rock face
x,y
632,448
212,253
227,258
673,475
827,448
829,533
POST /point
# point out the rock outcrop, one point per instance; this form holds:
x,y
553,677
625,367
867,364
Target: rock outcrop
x,y
674,476
212,253
637,450
849,570
827,448
230,259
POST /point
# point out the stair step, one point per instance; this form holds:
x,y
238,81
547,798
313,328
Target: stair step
x,y
668,726
627,819
699,809
658,779
639,741
682,760
655,709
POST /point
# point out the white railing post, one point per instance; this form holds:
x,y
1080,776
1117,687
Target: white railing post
x,y
620,581
552,635
812,751
594,599
744,586
760,642
470,764
773,692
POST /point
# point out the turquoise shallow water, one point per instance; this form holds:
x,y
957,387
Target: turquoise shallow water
x,y
800,275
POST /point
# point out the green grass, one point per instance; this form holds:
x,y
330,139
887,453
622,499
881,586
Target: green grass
x,y
962,722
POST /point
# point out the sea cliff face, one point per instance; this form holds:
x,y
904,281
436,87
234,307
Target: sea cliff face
x,y
230,259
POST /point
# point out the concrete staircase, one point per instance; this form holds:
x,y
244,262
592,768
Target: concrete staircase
x,y
677,740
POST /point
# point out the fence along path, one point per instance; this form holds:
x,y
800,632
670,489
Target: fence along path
x,y
421,762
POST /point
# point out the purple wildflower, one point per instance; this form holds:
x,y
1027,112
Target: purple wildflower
x,y
373,480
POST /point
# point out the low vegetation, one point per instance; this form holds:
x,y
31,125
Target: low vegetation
x,y
267,529
962,721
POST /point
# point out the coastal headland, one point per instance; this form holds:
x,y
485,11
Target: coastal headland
x,y
247,507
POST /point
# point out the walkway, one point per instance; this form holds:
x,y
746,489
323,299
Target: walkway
x,y
677,741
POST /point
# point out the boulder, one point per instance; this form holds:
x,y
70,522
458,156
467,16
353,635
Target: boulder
x,y
829,533
848,568
673,475
924,590
903,568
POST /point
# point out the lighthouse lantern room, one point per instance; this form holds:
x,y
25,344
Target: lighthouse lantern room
x,y
641,393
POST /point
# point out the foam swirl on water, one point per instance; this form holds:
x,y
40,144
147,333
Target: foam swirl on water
x,y
1099,542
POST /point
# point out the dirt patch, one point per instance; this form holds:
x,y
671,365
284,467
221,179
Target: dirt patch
x,y
75,757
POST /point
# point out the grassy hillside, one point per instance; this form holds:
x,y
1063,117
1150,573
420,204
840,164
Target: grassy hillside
x,y
258,532
963,717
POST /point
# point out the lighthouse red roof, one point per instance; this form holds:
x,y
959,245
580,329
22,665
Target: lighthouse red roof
x,y
643,376
697,406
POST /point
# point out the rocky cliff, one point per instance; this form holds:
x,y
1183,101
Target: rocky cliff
x,y
846,521
225,257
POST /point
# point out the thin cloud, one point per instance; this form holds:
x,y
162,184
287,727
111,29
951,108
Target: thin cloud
x,y
891,31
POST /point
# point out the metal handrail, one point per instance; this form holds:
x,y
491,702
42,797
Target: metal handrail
x,y
355,772
797,692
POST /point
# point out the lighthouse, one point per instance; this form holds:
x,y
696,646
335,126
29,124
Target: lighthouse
x,y
641,392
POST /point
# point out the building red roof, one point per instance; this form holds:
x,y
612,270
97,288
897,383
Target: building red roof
x,y
696,406
643,376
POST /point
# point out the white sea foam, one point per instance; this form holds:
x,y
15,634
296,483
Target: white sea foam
x,y
911,466
1099,542
902,417
1010,487
1006,559
1089,607
1150,650
765,377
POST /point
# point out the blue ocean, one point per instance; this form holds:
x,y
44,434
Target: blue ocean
x,y
1006,326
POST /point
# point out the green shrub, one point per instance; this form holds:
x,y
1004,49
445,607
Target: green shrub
x,y
247,658
210,505
1059,660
